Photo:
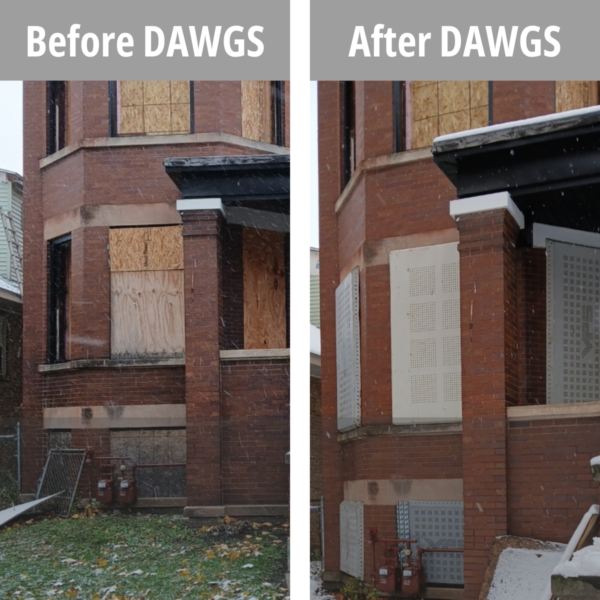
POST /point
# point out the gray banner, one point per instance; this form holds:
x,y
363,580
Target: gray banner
x,y
334,23
242,50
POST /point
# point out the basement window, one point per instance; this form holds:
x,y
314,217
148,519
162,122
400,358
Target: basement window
x,y
56,112
59,299
151,107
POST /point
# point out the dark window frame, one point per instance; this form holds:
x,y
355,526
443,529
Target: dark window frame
x,y
56,116
113,117
59,265
277,113
348,105
399,114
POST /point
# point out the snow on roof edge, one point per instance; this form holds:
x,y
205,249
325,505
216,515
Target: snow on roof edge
x,y
566,116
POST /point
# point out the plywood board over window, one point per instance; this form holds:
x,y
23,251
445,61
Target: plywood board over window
x,y
571,95
153,107
147,307
256,111
442,107
264,289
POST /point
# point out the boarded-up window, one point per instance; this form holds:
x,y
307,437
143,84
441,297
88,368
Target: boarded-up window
x,y
442,107
575,94
154,446
147,312
264,289
352,550
573,322
425,326
258,102
153,107
347,326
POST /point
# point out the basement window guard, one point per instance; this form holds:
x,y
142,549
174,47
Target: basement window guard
x,y
399,111
3,350
151,107
58,299
56,116
348,131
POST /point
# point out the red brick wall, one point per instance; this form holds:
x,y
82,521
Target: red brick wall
x,y
95,387
256,432
203,301
513,100
531,307
550,485
488,348
403,457
329,189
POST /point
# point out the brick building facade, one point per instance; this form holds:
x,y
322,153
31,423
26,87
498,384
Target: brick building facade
x,y
435,369
155,321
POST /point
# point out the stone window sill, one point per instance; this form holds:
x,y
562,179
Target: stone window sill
x,y
111,363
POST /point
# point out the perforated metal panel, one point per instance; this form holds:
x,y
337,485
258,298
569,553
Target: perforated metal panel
x,y
352,559
573,323
425,325
348,352
435,525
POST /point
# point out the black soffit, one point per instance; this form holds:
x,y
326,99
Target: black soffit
x,y
551,168
237,180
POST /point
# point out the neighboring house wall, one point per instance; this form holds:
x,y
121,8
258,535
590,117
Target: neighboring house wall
x,y
315,303
11,203
396,202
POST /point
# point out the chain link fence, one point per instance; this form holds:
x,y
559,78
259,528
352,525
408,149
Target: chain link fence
x,y
10,465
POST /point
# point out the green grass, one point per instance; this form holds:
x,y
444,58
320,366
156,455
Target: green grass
x,y
130,557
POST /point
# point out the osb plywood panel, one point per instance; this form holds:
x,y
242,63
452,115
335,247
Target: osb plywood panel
x,y
132,119
442,107
147,314
479,117
131,93
453,96
456,121
157,118
264,289
575,94
423,132
424,101
154,107
157,92
180,118
146,249
479,93
255,110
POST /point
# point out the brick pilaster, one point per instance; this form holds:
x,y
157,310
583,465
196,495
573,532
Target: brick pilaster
x,y
202,288
489,378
